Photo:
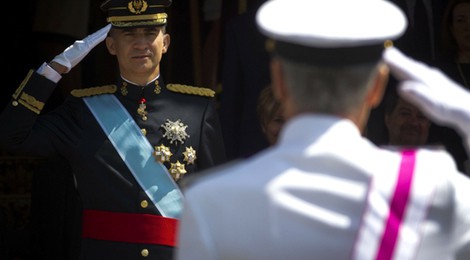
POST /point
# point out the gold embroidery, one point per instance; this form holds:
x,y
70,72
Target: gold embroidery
x,y
31,103
137,24
124,90
86,92
28,106
191,90
23,83
137,6
130,20
157,89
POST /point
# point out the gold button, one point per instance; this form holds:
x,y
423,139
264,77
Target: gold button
x,y
144,204
144,252
14,103
388,44
144,131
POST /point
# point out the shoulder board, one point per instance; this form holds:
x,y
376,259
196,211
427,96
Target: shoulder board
x,y
206,92
86,92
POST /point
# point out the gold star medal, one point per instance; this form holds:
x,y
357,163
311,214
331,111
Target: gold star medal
x,y
162,153
189,155
175,131
177,170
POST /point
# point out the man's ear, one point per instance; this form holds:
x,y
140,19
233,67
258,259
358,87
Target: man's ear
x,y
281,89
377,91
110,45
166,42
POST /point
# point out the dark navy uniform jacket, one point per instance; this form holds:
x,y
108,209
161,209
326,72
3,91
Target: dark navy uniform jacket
x,y
103,180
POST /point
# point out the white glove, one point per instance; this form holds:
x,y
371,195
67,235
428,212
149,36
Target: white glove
x,y
77,51
440,98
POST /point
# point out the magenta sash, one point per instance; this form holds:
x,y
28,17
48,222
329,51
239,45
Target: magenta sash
x,y
397,206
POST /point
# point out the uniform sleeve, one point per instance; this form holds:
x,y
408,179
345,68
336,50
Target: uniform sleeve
x,y
24,129
21,113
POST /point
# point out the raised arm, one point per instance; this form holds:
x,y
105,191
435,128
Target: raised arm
x,y
440,98
72,55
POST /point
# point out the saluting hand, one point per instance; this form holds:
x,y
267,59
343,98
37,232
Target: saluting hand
x,y
71,56
440,98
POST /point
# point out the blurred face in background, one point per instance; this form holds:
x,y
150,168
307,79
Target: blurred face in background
x,y
270,115
461,26
406,125
273,126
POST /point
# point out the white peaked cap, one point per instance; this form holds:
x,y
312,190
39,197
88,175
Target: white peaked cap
x,y
331,28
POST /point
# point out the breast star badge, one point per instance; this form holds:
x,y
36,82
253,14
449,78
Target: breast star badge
x,y
162,153
175,131
189,155
177,170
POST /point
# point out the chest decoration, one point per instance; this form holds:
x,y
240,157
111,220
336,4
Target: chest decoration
x,y
175,131
162,153
142,109
189,155
177,170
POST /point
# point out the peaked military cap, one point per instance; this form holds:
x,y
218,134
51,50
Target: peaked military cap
x,y
331,32
136,13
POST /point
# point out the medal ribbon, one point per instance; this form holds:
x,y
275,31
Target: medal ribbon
x,y
397,206
395,232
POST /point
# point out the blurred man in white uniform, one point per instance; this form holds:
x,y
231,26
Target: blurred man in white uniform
x,y
323,191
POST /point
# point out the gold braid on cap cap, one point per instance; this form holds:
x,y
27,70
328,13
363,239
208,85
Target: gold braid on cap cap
x,y
133,20
138,8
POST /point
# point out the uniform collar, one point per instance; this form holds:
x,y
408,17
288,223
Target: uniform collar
x,y
135,84
309,128
131,90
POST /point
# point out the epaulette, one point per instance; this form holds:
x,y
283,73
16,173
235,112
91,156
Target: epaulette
x,y
86,92
206,92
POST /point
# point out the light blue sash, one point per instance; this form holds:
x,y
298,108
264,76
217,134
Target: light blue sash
x,y
136,152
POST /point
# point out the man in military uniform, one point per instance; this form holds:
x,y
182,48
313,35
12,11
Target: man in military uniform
x,y
324,191
128,143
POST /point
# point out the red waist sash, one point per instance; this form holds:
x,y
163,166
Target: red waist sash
x,y
129,227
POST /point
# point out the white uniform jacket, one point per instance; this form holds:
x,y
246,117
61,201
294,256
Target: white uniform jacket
x,y
325,192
